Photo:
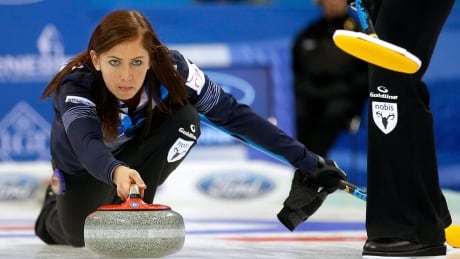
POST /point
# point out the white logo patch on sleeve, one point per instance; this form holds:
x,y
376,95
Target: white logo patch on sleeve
x,y
385,116
79,99
195,79
179,149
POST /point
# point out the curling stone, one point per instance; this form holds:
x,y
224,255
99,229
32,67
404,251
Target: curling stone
x,y
134,229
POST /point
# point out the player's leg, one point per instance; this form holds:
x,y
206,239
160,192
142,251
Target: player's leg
x,y
410,213
61,220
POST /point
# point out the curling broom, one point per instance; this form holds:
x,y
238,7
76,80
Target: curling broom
x,y
368,47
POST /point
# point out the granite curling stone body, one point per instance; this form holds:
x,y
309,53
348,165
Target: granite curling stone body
x,y
134,229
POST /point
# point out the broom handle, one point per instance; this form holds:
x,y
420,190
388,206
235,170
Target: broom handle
x,y
344,185
360,6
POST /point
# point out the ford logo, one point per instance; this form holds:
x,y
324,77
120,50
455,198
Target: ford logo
x,y
17,187
235,185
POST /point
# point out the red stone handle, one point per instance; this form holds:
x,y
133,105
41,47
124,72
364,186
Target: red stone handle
x,y
134,202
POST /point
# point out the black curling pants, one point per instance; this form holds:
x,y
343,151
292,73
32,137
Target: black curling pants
x,y
404,197
154,156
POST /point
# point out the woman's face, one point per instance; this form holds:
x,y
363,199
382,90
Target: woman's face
x,y
123,68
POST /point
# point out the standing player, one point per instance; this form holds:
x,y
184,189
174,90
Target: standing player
x,y
406,210
330,86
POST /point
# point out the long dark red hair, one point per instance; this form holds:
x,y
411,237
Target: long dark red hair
x,y
120,26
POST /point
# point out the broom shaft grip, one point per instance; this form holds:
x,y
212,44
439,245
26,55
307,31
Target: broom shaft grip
x,y
360,6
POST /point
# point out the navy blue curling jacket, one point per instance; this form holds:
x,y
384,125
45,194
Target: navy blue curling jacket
x,y
77,143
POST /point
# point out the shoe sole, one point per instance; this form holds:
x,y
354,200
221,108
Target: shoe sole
x,y
424,253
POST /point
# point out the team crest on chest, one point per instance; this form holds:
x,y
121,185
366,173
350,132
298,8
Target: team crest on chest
x,y
385,116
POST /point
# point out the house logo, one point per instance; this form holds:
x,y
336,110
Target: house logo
x,y
39,67
24,135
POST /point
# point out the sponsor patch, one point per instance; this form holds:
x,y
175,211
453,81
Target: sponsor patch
x,y
385,115
79,99
179,149
187,133
195,79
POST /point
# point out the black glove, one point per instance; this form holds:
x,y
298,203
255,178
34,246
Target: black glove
x,y
328,175
309,191
305,197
